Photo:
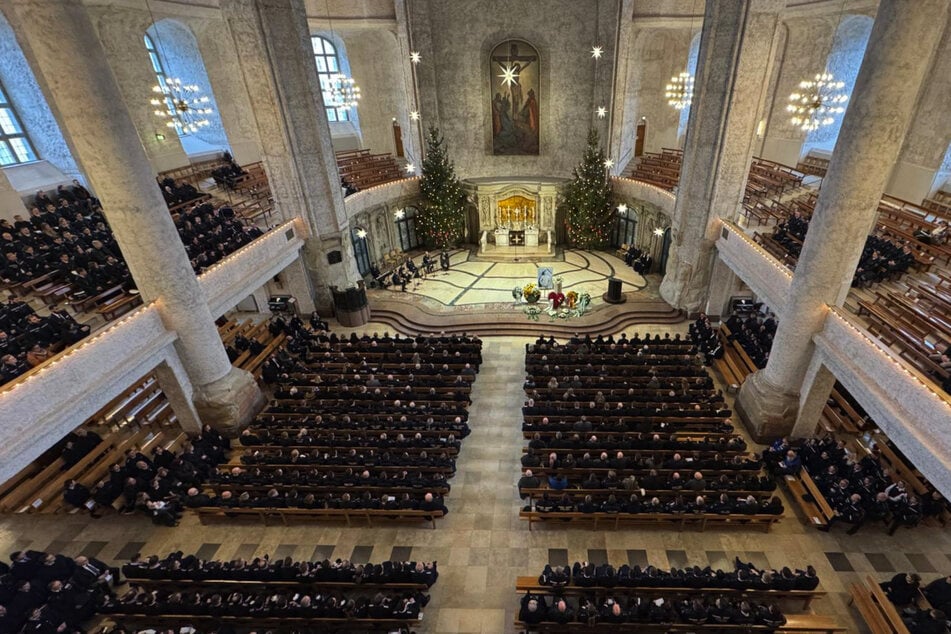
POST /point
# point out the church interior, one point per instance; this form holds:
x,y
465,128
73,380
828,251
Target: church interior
x,y
462,316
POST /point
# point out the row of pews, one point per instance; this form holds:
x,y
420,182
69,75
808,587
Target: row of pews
x,y
767,179
361,169
139,418
560,421
652,600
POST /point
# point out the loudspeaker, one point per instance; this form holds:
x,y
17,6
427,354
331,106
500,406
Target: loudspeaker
x,y
334,257
614,289
613,296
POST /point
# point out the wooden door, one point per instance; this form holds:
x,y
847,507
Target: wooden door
x,y
639,138
398,139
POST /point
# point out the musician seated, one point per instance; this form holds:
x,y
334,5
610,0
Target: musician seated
x,y
428,263
412,268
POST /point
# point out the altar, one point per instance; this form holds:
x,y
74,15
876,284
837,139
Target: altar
x,y
516,214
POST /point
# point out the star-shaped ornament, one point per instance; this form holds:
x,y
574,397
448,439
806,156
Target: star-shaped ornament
x,y
602,112
415,57
597,52
608,163
509,76
410,168
414,115
622,207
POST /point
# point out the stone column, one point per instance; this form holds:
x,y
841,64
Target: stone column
x,y
737,47
724,284
224,73
896,61
278,67
61,43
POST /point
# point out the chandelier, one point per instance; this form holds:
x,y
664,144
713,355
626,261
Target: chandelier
x,y
679,91
817,102
344,91
181,105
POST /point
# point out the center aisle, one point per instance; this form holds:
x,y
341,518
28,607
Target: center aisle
x,y
488,546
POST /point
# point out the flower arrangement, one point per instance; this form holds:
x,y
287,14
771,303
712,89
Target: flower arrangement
x,y
556,299
532,312
572,298
531,293
517,293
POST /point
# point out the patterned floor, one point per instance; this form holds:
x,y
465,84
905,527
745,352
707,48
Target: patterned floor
x,y
476,280
481,546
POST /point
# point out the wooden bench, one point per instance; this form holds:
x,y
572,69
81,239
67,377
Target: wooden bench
x,y
119,306
878,612
283,623
235,584
807,496
664,520
204,513
530,584
794,623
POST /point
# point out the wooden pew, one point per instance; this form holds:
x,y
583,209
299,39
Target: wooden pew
x,y
285,514
794,623
878,612
667,521
817,509
530,584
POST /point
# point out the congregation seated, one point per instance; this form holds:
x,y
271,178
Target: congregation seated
x,y
28,339
755,334
154,485
178,566
905,591
264,603
177,193
638,259
679,505
881,259
44,592
210,234
705,335
860,491
371,422
226,175
744,576
534,609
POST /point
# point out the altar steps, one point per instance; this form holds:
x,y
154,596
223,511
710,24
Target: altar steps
x,y
411,319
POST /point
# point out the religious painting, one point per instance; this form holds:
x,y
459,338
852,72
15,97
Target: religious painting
x,y
515,94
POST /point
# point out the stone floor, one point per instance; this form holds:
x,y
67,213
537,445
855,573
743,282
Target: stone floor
x,y
475,279
481,546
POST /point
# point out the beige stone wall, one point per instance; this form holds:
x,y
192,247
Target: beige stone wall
x,y
455,38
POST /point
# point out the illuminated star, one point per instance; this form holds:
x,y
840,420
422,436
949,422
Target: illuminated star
x,y
602,112
415,57
414,115
622,208
400,214
597,52
410,168
509,76
608,163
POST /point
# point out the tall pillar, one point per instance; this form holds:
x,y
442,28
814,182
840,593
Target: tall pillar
x,y
898,56
737,47
724,284
277,63
60,41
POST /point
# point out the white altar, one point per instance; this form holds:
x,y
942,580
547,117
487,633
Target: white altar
x,y
515,212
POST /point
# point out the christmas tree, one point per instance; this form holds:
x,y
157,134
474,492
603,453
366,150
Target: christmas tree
x,y
586,201
442,219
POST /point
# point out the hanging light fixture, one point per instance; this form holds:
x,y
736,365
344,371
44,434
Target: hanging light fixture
x,y
679,92
179,105
343,89
821,98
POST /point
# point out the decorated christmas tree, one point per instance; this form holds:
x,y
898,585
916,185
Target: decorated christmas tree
x,y
442,219
587,200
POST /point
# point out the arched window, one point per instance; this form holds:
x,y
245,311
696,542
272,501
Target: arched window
x,y
160,74
360,251
844,61
15,146
328,65
406,228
